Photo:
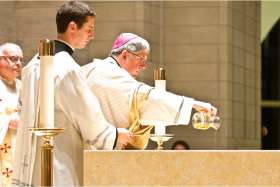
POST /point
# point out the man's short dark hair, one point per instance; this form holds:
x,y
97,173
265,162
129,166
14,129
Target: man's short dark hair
x,y
72,11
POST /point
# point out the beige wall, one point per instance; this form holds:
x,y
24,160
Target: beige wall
x,y
6,21
246,74
210,50
219,61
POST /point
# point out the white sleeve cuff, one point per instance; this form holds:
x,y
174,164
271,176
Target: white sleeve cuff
x,y
185,111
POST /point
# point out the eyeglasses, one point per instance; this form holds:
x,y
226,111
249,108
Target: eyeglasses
x,y
13,59
140,58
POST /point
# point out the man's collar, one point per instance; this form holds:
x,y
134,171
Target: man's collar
x,y
61,45
62,41
114,59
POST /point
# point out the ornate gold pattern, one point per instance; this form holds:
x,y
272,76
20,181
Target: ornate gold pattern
x,y
6,160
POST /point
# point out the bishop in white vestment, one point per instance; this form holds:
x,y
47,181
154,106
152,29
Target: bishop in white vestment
x,y
113,81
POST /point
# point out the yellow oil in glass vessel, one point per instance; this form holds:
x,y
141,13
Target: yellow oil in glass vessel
x,y
203,121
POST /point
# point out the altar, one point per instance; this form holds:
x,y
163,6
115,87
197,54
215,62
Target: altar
x,y
181,168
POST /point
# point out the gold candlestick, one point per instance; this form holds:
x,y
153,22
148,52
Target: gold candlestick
x,y
46,153
45,129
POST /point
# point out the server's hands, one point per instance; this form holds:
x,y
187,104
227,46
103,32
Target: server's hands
x,y
124,137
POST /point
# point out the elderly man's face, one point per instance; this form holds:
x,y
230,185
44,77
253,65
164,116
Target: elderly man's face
x,y
135,63
11,63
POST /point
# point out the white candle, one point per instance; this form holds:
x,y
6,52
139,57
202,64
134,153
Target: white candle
x,y
159,77
46,88
160,83
159,129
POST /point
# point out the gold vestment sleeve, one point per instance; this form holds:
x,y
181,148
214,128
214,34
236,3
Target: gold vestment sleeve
x,y
141,133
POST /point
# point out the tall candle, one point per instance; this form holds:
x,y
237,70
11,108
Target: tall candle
x,y
160,83
159,76
46,84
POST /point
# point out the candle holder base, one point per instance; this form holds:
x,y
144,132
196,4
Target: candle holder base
x,y
47,135
160,139
50,132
